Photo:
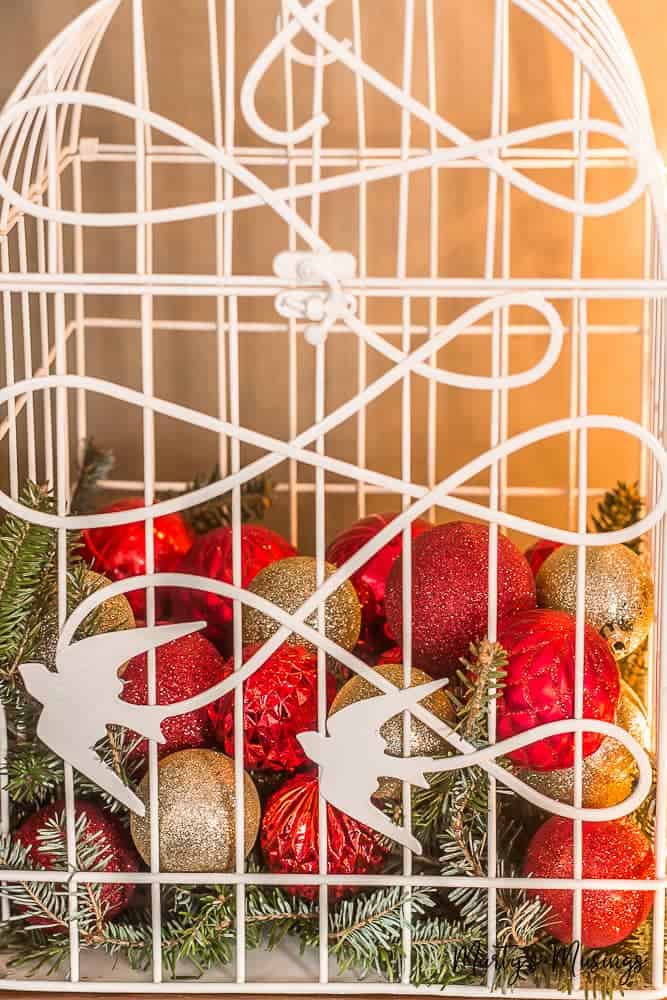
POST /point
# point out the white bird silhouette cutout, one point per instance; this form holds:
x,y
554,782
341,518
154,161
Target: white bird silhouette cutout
x,y
353,759
82,698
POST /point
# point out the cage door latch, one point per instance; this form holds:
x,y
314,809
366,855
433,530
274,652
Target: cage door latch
x,y
321,307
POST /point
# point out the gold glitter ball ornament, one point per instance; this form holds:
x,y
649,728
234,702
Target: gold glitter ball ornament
x,y
609,774
619,592
424,742
115,614
288,583
197,811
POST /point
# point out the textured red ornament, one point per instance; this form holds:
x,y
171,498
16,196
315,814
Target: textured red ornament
x,y
211,556
370,581
539,553
117,852
120,552
539,686
450,569
290,838
610,850
184,668
279,701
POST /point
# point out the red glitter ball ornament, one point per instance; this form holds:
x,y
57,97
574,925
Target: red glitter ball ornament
x,y
370,581
115,853
290,838
616,850
120,552
184,668
450,570
211,556
279,701
539,553
539,685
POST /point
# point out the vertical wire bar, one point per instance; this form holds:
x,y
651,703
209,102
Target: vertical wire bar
x,y
434,256
235,413
8,325
27,352
147,382
494,471
44,352
645,342
292,342
62,495
320,527
79,313
506,255
362,252
220,242
579,333
406,465
239,773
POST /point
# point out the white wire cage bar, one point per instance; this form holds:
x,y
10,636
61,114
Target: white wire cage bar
x,y
402,309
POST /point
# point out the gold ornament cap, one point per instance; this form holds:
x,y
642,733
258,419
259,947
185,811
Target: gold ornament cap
x,y
197,810
619,593
423,741
288,583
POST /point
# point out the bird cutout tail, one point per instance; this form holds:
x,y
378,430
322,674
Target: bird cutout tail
x,y
144,719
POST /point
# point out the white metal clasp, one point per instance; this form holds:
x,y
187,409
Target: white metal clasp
x,y
320,307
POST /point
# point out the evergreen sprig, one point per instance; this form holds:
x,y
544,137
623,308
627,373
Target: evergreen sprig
x,y
256,498
96,464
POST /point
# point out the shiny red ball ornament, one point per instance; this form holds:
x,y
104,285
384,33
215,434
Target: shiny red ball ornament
x,y
370,581
617,850
539,685
279,701
115,849
450,569
211,556
120,552
290,838
184,668
539,553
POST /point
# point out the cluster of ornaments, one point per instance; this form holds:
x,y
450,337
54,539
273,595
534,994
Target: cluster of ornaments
x,y
536,625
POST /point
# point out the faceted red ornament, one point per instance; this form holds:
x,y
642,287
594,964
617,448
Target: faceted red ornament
x,y
116,851
120,552
279,701
184,668
450,569
539,686
211,556
371,580
617,850
289,838
539,553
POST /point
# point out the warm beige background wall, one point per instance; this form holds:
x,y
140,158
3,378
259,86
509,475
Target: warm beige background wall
x,y
540,83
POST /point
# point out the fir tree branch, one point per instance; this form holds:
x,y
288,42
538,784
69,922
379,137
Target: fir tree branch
x,y
256,498
96,464
620,508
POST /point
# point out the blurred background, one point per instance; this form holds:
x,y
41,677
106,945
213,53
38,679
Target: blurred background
x,y
540,86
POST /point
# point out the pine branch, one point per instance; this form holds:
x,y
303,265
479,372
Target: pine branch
x,y
620,508
482,681
96,464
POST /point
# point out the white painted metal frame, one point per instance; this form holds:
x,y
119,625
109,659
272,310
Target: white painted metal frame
x,y
40,142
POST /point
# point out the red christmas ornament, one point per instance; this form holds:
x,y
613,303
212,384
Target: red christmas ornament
x,y
610,850
371,580
116,851
120,552
450,568
539,553
211,555
184,668
289,838
539,686
279,701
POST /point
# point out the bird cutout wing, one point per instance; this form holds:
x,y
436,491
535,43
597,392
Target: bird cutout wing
x,y
356,802
79,753
104,654
370,714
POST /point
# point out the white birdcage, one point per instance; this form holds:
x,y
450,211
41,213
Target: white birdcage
x,y
356,317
